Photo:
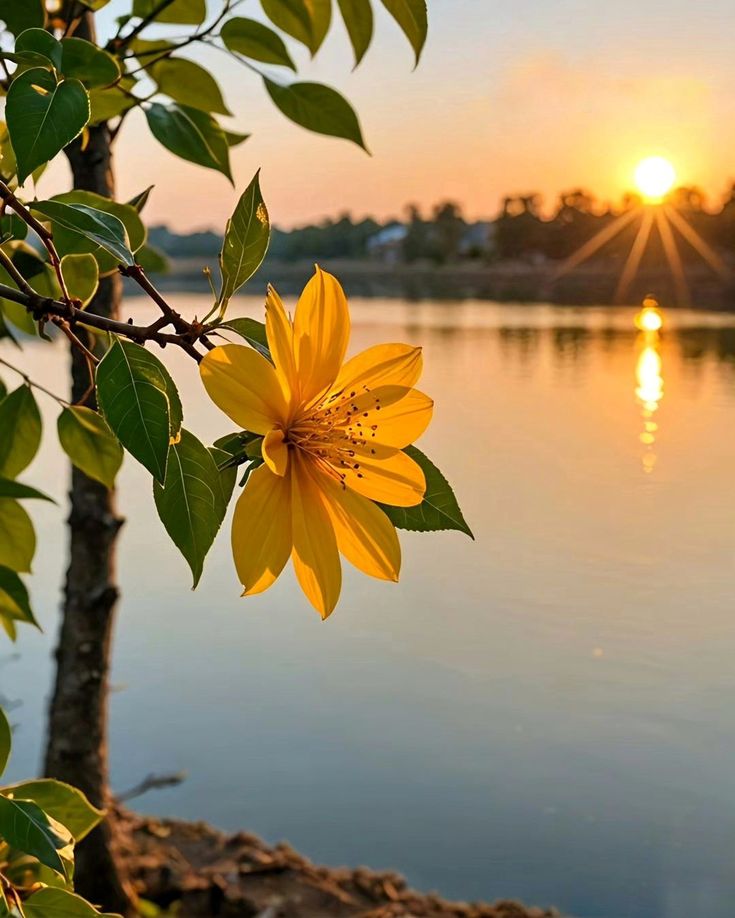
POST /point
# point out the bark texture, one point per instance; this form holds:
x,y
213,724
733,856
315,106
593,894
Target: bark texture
x,y
77,732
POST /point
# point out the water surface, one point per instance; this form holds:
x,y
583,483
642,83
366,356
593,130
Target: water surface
x,y
546,713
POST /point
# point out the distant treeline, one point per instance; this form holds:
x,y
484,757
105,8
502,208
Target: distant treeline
x,y
444,235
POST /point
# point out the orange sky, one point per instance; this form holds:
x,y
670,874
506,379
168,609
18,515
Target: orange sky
x,y
529,96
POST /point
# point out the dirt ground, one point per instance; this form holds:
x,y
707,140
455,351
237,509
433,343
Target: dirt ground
x,y
195,871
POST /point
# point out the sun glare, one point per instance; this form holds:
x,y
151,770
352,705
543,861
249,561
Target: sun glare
x,y
654,177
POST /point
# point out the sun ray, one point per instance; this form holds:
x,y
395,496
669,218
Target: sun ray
x,y
596,242
698,244
673,257
636,254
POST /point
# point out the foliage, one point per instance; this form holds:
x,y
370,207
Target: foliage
x,y
40,823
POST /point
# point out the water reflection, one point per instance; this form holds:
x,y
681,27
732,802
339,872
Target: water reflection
x,y
649,392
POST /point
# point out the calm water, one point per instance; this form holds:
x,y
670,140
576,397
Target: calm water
x,y
547,713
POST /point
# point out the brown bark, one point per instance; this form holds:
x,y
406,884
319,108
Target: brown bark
x,y
77,732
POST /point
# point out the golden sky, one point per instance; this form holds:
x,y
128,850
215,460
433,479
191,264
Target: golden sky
x,y
528,96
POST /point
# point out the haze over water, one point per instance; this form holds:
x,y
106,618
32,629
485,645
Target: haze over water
x,y
545,714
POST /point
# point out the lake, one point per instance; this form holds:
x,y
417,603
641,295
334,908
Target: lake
x,y
547,713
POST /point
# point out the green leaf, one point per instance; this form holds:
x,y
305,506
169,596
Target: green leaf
x,y
411,17
190,134
226,478
12,227
320,13
39,43
68,242
6,741
190,502
139,201
251,331
103,230
183,12
254,40
439,509
106,104
246,241
188,83
234,139
14,602
28,14
54,902
17,537
318,108
26,827
19,316
290,16
43,117
82,275
94,4
139,401
20,431
358,20
151,260
87,63
90,444
64,803
11,488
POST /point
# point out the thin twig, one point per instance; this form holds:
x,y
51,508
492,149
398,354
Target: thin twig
x,y
32,383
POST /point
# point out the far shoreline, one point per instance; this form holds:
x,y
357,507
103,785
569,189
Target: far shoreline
x,y
504,282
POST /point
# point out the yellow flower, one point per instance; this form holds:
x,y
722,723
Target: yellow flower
x,y
332,445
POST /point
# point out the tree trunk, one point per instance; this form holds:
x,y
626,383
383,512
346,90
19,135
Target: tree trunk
x,y
77,731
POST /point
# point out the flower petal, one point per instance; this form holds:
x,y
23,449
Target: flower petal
x,y
279,330
384,474
391,415
382,365
321,332
315,555
244,385
261,530
275,452
365,535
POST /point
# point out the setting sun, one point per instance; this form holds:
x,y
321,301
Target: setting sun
x,y
654,177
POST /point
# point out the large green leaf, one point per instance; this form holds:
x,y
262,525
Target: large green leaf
x,y
190,501
318,108
190,134
90,444
19,15
320,13
87,63
411,17
14,601
246,241
64,803
20,431
151,260
99,228
139,401
43,117
17,537
81,274
358,19
226,478
439,508
188,83
68,242
254,40
53,902
6,741
26,827
11,488
105,104
183,12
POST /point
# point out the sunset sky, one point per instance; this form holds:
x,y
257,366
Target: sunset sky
x,y
509,97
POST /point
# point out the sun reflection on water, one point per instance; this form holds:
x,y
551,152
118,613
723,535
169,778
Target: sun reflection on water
x,y
649,378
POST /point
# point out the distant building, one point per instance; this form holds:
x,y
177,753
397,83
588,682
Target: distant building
x,y
478,240
387,244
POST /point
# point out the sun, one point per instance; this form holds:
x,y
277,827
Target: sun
x,y
655,177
